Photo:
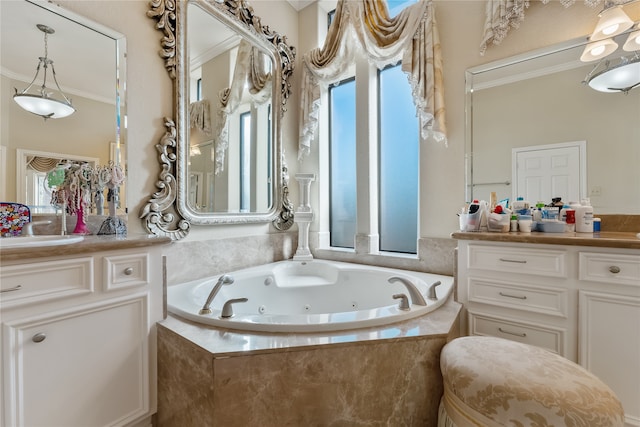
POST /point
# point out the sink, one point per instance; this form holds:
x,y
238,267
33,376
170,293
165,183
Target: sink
x,y
37,241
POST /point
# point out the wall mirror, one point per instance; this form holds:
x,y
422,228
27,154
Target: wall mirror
x,y
538,99
231,86
90,68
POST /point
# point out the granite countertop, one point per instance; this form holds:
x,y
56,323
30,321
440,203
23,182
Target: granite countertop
x,y
605,239
88,245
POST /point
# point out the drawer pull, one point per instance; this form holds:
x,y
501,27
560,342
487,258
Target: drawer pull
x,y
15,288
614,269
512,296
39,337
128,271
519,261
522,335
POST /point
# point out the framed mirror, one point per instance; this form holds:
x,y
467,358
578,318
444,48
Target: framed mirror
x,y
537,101
224,150
90,67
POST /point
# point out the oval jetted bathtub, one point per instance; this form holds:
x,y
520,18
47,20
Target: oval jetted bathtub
x,y
309,296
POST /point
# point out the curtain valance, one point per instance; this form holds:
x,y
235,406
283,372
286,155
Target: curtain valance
x,y
252,71
41,164
503,15
411,36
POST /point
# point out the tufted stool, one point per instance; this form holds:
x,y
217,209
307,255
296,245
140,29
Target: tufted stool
x,y
496,382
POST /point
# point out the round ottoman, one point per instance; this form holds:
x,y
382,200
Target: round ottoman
x,y
496,382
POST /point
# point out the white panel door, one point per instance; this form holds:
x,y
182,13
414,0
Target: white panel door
x,y
543,172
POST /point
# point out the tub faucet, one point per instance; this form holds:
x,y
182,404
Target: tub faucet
x,y
416,296
431,292
223,280
227,309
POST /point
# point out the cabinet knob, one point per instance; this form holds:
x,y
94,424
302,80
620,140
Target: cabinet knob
x,y
614,269
128,271
39,337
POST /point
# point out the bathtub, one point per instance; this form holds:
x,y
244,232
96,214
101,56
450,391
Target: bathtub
x,y
308,296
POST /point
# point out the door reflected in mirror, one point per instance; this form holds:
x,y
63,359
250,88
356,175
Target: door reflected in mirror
x,y
230,165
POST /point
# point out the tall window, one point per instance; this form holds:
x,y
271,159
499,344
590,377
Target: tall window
x,y
342,146
245,162
398,162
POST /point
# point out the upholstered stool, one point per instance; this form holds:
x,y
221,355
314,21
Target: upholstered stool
x,y
496,382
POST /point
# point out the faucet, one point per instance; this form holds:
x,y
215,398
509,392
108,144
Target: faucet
x,y
416,297
227,309
27,229
223,280
431,292
404,301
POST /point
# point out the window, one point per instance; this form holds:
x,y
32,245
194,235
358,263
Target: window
x,y
397,145
398,162
245,162
342,152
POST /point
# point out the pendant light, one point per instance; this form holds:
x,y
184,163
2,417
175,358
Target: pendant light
x,y
41,102
623,73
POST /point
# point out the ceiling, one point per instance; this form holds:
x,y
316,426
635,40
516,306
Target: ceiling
x,y
84,59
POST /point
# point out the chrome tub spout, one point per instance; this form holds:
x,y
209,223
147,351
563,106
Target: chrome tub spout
x,y
223,280
416,296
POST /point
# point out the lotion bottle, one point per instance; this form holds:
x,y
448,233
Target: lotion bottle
x,y
584,217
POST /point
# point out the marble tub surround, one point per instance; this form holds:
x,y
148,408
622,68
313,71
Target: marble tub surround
x,y
88,245
214,257
374,376
435,255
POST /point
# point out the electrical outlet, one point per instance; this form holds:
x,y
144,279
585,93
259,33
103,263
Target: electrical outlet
x,y
596,191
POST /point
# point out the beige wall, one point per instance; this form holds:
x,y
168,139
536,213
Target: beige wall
x,y
460,23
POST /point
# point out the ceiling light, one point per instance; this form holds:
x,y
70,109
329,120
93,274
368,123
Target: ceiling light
x,y
600,49
613,21
620,77
633,42
41,102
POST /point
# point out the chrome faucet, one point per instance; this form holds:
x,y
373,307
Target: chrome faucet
x,y
416,296
223,280
27,229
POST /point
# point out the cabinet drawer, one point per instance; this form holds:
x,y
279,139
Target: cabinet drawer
x,y
125,271
550,263
610,268
537,299
41,281
545,337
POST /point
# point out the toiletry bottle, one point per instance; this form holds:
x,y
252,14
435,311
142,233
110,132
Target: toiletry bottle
x,y
584,217
514,223
474,206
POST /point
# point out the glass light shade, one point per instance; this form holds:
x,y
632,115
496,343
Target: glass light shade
x,y
613,21
620,78
46,107
633,42
596,50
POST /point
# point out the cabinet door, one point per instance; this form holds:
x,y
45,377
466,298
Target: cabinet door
x,y
610,345
88,367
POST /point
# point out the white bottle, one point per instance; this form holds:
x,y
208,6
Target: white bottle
x,y
584,217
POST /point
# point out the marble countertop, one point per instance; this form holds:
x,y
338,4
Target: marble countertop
x,y
225,342
88,245
605,239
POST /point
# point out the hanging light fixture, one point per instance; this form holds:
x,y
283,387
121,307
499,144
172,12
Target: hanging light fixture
x,y
622,74
41,102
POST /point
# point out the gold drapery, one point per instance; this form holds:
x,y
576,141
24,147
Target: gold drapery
x,y
411,36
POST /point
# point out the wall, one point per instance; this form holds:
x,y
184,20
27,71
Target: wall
x,y
150,99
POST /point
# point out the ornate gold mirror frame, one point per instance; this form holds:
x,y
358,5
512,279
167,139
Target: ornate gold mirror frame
x,y
165,214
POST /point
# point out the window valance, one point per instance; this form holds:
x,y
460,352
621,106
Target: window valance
x,y
411,36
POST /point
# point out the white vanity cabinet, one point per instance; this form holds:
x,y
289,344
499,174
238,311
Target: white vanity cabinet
x,y
582,302
78,338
